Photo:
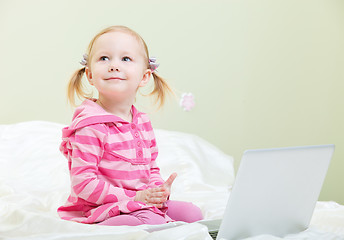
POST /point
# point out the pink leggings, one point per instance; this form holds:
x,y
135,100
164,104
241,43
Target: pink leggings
x,y
177,210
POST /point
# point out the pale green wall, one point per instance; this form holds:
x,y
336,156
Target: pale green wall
x,y
265,73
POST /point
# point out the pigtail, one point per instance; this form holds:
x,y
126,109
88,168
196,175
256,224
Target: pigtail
x,y
161,89
75,87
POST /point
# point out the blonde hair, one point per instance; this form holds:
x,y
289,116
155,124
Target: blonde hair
x,y
75,85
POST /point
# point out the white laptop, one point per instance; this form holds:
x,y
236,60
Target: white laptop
x,y
275,192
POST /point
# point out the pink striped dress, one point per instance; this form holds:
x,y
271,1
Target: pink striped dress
x,y
109,159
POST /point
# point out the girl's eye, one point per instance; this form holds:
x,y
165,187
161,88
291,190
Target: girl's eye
x,y
104,58
126,59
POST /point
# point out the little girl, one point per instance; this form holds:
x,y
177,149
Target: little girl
x,y
110,145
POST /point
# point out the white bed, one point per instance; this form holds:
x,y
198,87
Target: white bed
x,y
34,181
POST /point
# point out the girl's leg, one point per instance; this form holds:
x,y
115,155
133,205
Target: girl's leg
x,y
183,211
135,218
148,217
120,220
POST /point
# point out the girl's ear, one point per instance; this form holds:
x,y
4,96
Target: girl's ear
x,y
146,77
89,75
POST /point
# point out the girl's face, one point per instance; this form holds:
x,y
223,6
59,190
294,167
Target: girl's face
x,y
118,66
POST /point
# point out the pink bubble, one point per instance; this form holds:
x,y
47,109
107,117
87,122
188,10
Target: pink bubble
x,y
187,101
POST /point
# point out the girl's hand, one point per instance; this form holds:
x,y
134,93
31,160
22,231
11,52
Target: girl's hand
x,y
169,182
156,196
153,196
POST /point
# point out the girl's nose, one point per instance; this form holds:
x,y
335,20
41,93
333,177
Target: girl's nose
x,y
114,66
112,69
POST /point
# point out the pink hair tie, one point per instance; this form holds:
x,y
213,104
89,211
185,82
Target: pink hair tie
x,y
153,64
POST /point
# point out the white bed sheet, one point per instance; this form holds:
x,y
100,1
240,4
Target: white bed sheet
x,y
34,182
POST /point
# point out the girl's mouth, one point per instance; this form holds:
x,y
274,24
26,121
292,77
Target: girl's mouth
x,y
114,78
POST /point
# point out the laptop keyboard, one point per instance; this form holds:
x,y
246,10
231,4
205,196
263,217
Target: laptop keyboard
x,y
213,234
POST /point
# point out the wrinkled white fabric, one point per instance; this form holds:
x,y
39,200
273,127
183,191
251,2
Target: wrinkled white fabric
x,y
34,182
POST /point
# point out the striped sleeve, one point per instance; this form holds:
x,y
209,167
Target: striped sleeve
x,y
155,177
87,148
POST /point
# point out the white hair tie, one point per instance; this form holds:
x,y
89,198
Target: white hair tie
x,y
84,59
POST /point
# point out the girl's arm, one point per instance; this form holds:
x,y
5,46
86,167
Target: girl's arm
x,y
155,178
86,150
159,190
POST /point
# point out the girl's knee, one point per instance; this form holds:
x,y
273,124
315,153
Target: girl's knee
x,y
184,211
194,214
